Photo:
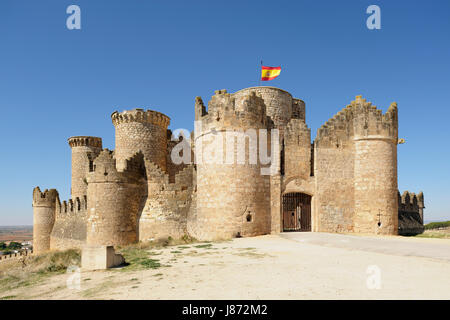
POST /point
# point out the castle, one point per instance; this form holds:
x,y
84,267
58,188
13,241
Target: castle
x,y
346,181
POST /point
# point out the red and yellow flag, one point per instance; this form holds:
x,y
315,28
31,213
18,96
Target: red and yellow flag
x,y
269,73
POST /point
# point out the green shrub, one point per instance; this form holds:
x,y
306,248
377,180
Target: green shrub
x,y
436,225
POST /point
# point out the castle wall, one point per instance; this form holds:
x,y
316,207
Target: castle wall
x,y
116,199
69,230
84,151
355,164
168,203
376,204
297,155
233,197
334,180
139,130
410,213
44,204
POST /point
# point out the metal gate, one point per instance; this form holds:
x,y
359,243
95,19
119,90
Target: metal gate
x,y
296,212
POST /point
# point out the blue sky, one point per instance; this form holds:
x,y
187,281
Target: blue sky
x,y
56,83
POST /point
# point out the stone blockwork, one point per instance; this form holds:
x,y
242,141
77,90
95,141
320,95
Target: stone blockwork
x,y
69,230
356,170
233,197
139,130
44,204
168,203
115,200
248,150
410,209
84,150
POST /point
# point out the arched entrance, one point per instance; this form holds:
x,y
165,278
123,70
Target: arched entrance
x,y
296,212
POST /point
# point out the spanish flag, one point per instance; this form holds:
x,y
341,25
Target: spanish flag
x,y
269,73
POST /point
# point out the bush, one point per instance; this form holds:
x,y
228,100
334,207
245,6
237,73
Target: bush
x,y
14,245
436,225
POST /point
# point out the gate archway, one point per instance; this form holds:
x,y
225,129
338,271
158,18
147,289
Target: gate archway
x,y
296,212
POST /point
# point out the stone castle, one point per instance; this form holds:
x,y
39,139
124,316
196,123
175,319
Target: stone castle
x,y
346,181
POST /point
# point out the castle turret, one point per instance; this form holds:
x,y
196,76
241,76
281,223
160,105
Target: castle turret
x,y
44,207
375,168
279,103
233,197
115,199
139,130
84,150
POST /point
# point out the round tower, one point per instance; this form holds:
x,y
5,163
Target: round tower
x,y
139,130
84,150
278,103
44,207
233,196
375,168
115,200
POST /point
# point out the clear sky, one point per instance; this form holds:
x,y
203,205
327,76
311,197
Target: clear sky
x,y
56,83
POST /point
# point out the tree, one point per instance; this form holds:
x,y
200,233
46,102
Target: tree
x,y
14,245
2,245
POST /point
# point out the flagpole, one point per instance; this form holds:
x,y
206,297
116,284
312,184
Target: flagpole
x,y
259,74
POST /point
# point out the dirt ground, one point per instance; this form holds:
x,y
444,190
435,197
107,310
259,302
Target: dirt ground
x,y
289,266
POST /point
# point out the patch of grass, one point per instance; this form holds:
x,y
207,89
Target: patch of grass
x,y
206,245
7,297
436,225
437,235
134,279
183,247
37,268
137,258
175,251
251,254
158,275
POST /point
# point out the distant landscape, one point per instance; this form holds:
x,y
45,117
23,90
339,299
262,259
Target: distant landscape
x,y
16,233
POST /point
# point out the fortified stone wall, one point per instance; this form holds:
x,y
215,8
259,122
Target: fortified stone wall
x,y
356,170
334,174
297,154
137,192
116,198
168,203
139,130
410,213
84,150
176,142
69,230
233,197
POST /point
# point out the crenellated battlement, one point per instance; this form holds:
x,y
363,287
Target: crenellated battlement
x,y
46,198
104,168
141,115
359,120
71,207
298,109
85,141
227,111
410,202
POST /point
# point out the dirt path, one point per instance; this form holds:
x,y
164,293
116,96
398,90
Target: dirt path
x,y
267,267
